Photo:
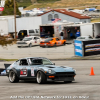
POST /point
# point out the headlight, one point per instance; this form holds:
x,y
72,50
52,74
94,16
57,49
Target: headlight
x,y
74,69
49,70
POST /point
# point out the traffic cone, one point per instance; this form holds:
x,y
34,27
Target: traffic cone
x,y
92,72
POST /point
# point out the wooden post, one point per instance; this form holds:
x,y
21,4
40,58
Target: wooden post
x,y
15,18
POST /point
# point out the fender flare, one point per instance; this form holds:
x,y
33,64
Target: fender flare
x,y
41,71
13,69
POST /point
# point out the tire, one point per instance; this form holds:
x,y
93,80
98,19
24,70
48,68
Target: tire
x,y
64,43
55,45
41,78
67,81
19,46
30,45
13,77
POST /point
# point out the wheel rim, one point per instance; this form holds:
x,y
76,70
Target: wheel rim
x,y
39,77
11,76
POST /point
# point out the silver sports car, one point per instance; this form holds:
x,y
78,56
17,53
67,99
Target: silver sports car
x,y
39,68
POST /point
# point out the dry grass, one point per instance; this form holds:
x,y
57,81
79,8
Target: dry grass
x,y
95,20
98,7
65,4
4,41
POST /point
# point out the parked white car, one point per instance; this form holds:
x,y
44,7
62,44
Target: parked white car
x,y
84,38
29,41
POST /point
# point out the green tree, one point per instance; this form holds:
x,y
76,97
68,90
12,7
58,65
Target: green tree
x,y
9,8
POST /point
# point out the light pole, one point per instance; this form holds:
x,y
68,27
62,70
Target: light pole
x,y
15,18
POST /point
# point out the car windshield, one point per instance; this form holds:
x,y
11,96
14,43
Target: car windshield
x,y
27,39
40,62
47,40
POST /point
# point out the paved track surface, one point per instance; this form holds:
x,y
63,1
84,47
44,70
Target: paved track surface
x,y
13,52
84,85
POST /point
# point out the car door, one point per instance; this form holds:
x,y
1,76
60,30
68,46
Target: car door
x,y
37,40
31,41
23,68
58,41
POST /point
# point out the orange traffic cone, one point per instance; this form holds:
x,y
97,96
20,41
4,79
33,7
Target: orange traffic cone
x,y
92,72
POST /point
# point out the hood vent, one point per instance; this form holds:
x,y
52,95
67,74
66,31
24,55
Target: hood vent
x,y
50,67
62,66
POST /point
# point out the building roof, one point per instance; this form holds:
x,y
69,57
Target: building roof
x,y
68,12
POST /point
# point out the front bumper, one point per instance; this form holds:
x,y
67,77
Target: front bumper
x,y
22,45
62,77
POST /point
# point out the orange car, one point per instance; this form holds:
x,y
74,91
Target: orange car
x,y
52,42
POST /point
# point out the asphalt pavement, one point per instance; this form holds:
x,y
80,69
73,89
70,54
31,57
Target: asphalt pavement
x,y
13,52
85,87
61,52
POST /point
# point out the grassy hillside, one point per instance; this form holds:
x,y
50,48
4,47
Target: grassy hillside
x,y
65,3
46,1
24,3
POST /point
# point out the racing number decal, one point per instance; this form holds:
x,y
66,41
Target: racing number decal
x,y
35,41
59,42
32,71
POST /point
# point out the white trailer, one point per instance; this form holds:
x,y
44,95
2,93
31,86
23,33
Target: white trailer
x,y
3,27
86,29
25,23
7,24
96,29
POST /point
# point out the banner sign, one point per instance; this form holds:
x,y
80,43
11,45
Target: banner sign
x,y
78,48
91,47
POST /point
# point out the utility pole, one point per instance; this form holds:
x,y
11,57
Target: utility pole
x,y
15,17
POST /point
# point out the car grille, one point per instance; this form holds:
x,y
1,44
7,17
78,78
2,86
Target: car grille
x,y
65,73
64,78
21,43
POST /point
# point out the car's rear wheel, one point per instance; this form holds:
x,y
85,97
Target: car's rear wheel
x,y
13,77
64,43
41,78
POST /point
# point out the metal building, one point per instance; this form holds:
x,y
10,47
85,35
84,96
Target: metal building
x,y
63,14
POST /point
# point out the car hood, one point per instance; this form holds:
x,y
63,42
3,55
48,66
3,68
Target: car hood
x,y
23,41
56,68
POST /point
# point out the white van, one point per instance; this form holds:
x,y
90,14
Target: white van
x,y
22,33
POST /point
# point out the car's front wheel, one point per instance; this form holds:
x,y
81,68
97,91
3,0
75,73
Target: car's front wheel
x,y
30,45
13,77
19,46
41,78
